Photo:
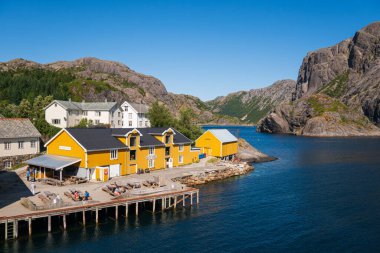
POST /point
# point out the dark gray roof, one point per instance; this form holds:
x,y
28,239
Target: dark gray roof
x,y
53,161
17,128
87,106
179,138
148,138
96,138
140,108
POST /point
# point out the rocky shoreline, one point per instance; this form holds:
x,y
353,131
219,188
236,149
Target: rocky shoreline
x,y
210,175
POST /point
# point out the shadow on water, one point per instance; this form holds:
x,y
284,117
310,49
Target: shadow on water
x,y
12,188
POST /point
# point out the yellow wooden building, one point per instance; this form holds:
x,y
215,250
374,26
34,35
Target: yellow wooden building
x,y
102,153
218,142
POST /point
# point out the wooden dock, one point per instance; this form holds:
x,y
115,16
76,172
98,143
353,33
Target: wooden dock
x,y
166,200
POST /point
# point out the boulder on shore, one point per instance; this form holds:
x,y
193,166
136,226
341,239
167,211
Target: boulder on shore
x,y
247,153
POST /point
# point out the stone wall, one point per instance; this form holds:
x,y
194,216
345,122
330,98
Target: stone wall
x,y
15,160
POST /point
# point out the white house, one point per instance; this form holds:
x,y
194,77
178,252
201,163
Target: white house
x,y
64,114
135,115
18,138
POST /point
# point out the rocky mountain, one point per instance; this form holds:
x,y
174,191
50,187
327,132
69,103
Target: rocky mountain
x,y
348,72
250,106
92,79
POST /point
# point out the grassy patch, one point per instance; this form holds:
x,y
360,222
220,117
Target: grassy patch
x,y
337,87
80,87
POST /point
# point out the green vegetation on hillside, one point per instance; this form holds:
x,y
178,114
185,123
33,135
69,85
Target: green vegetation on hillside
x,y
160,116
337,87
79,88
19,84
323,103
236,108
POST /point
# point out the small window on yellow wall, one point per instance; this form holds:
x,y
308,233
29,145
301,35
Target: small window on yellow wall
x,y
180,148
180,158
113,154
167,139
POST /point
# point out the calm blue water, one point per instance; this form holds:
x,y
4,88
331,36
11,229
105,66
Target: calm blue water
x,y
322,195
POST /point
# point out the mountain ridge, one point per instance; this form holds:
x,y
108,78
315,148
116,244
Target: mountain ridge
x,y
93,79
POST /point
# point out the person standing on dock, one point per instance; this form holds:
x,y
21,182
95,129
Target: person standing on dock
x,y
27,174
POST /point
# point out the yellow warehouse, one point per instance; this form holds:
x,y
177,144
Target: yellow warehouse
x,y
102,153
218,142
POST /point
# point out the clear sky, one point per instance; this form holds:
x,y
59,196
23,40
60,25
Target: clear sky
x,y
203,48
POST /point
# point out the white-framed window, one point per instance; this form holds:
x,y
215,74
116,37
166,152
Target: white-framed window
x,y
113,154
98,113
180,148
7,145
84,113
146,123
97,122
132,141
56,121
32,144
130,123
180,158
8,164
21,145
151,150
150,163
140,123
126,108
129,115
118,114
118,122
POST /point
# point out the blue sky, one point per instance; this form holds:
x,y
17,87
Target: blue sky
x,y
202,48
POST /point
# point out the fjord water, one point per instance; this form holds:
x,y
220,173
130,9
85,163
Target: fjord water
x,y
321,195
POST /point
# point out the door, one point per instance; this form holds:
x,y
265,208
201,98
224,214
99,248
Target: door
x,y
114,170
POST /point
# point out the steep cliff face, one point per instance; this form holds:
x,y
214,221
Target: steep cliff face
x,y
358,58
96,80
348,72
252,105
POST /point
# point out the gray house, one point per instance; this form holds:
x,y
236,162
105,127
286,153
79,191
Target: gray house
x,y
19,140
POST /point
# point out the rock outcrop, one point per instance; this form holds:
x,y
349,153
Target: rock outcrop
x,y
248,153
252,105
318,115
347,73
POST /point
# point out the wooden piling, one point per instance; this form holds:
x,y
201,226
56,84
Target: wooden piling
x,y
30,226
175,202
154,205
96,215
183,200
126,210
64,221
49,223
116,212
15,229
137,208
84,217
191,199
6,229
